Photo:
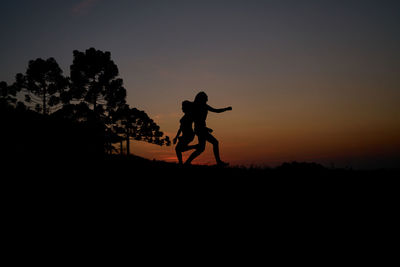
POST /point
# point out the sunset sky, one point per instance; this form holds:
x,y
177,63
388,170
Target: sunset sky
x,y
308,80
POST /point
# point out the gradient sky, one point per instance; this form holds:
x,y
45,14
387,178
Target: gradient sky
x,y
307,80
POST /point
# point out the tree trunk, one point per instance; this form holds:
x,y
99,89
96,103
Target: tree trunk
x,y
44,100
127,144
94,104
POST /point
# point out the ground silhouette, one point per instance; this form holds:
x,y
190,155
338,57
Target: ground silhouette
x,y
137,167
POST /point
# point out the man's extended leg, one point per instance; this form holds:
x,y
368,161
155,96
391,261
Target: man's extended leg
x,y
215,144
200,147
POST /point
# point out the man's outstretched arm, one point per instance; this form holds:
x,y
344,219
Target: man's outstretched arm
x,y
218,110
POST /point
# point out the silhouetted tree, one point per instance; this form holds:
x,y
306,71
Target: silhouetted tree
x,y
95,92
111,138
136,124
44,84
94,81
76,112
94,114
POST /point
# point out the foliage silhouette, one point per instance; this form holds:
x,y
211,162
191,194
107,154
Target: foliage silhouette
x,y
136,124
94,81
44,85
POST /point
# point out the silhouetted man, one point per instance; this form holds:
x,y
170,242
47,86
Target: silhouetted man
x,y
200,111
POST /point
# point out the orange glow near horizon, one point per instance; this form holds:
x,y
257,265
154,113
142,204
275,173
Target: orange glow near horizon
x,y
329,119
272,146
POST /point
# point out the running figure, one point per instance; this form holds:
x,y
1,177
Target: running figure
x,y
186,130
200,111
